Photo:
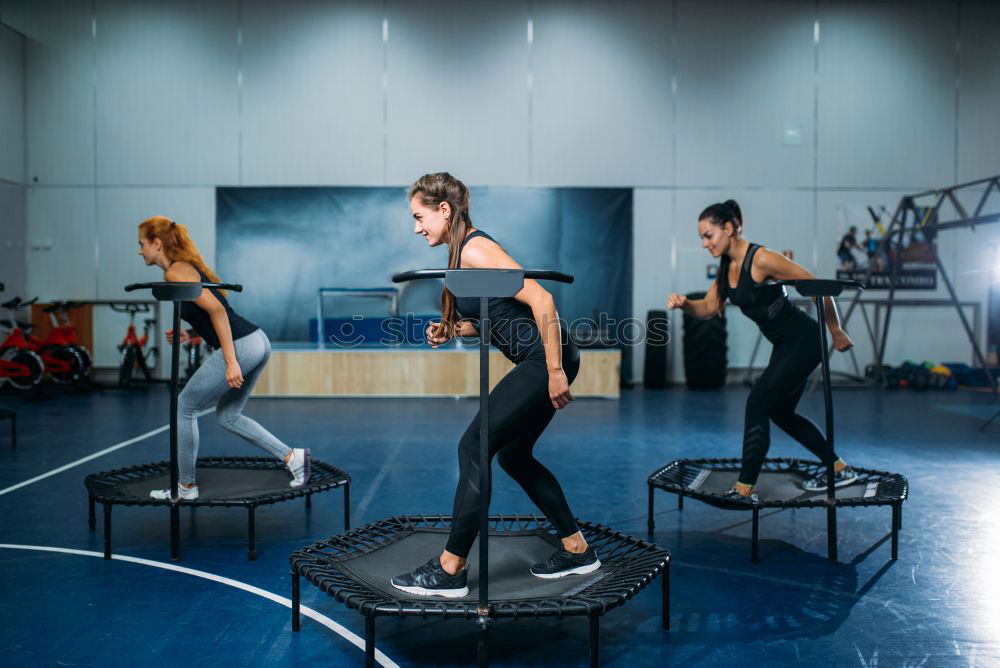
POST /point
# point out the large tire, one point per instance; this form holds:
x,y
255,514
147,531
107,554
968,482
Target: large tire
x,y
705,351
657,337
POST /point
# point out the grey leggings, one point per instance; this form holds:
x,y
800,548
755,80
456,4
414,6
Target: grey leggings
x,y
208,386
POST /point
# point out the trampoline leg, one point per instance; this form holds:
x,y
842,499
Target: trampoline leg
x,y
91,513
665,596
754,556
251,536
369,641
680,502
831,533
347,506
309,502
296,621
107,530
175,531
896,512
899,516
649,517
595,640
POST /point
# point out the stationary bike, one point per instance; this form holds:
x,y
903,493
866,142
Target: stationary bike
x,y
64,329
134,354
19,365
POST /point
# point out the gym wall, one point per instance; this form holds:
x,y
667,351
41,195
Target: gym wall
x,y
12,193
805,112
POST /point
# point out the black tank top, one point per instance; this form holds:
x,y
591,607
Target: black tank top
x,y
778,318
201,323
512,324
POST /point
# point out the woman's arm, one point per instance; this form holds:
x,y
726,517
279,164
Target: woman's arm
x,y
768,264
483,254
184,272
703,309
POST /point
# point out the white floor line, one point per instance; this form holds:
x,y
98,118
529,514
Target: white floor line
x,y
342,631
100,453
361,508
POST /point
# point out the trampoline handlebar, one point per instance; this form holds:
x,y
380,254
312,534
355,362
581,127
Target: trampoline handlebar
x,y
537,274
235,287
816,287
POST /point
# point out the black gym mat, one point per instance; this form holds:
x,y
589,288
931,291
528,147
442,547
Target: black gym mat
x,y
775,485
511,555
220,483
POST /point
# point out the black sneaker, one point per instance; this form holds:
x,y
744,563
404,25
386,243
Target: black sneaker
x,y
733,495
432,580
840,479
563,563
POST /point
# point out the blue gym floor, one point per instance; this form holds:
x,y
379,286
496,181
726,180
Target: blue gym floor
x,y
938,605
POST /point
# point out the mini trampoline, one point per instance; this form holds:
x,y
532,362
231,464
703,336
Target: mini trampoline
x,y
779,486
780,481
247,482
355,567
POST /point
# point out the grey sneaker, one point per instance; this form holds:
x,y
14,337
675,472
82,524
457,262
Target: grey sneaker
x,y
840,479
299,466
185,493
432,580
563,563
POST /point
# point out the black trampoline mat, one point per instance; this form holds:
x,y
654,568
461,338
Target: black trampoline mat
x,y
221,483
776,486
511,555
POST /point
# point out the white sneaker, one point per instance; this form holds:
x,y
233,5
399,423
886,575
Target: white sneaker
x,y
299,466
185,493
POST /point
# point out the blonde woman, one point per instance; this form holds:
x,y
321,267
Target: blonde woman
x,y
227,376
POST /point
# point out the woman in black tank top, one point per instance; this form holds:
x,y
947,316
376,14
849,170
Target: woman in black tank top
x,y
227,377
744,266
526,329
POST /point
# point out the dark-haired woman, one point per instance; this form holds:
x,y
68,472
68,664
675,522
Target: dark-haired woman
x,y
227,377
774,397
526,329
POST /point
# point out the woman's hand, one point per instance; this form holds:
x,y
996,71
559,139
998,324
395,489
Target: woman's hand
x,y
559,393
184,336
676,301
841,341
436,334
234,375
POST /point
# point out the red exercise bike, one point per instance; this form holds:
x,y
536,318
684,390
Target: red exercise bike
x,y
64,333
134,354
19,365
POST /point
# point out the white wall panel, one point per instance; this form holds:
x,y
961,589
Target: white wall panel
x,y
602,112
886,94
979,98
167,96
12,253
59,73
11,105
652,252
458,91
312,93
62,248
738,96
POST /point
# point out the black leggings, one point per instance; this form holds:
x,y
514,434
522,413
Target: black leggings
x,y
520,409
774,398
